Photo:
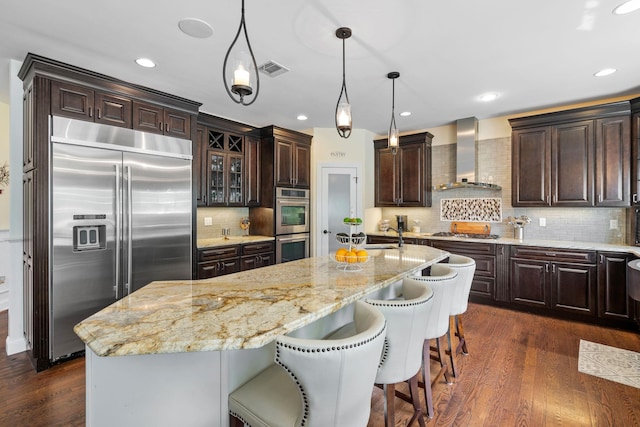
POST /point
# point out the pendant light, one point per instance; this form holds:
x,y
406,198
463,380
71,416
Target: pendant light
x,y
343,108
394,138
245,70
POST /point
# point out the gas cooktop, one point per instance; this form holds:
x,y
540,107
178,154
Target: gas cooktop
x,y
466,235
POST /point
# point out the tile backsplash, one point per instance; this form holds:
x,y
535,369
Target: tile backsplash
x,y
474,209
494,159
220,218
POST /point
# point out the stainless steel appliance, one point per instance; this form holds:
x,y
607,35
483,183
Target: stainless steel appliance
x,y
290,247
292,211
121,204
633,226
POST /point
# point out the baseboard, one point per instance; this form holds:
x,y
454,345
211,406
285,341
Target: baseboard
x,y
14,346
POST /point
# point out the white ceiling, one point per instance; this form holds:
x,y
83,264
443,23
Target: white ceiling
x,y
536,53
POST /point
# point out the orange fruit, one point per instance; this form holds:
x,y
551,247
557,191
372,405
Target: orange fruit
x,y
340,254
351,257
362,255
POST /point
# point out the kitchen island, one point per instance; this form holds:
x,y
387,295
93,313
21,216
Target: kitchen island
x,y
170,353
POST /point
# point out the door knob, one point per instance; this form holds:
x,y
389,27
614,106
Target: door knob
x,y
326,232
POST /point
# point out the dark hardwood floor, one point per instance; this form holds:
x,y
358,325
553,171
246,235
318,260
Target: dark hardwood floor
x,y
522,371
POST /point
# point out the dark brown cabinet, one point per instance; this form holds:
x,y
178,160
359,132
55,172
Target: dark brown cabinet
x,y
635,151
156,119
554,279
55,88
252,179
613,299
404,178
218,261
228,157
292,161
575,158
221,260
82,103
256,255
285,161
488,279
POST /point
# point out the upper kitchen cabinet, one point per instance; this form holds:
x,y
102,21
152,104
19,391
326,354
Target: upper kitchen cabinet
x,y
635,150
153,118
404,178
574,158
223,146
54,88
285,160
78,102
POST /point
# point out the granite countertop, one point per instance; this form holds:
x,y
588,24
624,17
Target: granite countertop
x,y
560,244
232,240
242,310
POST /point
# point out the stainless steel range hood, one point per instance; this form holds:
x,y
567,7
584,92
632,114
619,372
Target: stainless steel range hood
x,y
467,136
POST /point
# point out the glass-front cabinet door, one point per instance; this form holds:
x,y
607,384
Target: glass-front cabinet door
x,y
217,179
225,169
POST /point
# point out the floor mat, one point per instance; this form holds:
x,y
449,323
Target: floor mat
x,y
611,363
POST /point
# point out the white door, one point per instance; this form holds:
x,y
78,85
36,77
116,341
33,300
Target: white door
x,y
339,198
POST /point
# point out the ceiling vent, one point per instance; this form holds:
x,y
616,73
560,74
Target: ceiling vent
x,y
272,68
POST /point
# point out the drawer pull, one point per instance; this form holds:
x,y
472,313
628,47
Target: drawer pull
x,y
550,253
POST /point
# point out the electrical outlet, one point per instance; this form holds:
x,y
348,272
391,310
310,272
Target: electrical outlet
x,y
613,224
542,222
208,221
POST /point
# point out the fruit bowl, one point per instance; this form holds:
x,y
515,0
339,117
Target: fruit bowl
x,y
348,261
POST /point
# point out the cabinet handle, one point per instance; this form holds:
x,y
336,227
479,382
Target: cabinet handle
x,y
601,259
90,112
160,126
599,198
553,268
546,268
635,198
98,113
550,253
166,127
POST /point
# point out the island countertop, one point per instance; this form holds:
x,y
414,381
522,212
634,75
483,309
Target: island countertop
x,y
242,310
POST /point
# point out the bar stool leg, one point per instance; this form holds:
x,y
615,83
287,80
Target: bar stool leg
x,y
462,344
426,377
450,351
389,405
417,410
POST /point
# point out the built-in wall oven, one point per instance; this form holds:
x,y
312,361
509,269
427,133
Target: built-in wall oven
x,y
290,247
292,211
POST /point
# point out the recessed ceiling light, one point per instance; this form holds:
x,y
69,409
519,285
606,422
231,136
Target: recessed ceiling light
x,y
145,62
195,27
405,113
605,72
627,7
302,117
487,97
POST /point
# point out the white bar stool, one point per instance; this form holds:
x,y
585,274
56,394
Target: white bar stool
x,y
442,283
402,356
316,382
466,268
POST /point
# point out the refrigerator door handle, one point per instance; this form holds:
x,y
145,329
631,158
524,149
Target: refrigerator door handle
x,y
129,285
118,233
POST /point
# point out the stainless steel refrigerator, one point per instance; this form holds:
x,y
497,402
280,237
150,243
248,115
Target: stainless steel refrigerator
x,y
121,207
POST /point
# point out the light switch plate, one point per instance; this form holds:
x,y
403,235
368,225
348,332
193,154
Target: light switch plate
x,y
543,222
613,224
208,221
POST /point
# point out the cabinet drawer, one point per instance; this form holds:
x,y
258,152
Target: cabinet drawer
x,y
552,254
218,253
485,265
256,248
465,247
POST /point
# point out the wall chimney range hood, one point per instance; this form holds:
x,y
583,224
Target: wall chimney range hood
x,y
467,136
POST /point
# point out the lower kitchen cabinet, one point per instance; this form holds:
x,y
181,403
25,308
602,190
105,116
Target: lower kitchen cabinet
x,y
554,280
613,299
221,260
218,261
256,255
488,279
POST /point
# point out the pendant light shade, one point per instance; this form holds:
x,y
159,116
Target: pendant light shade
x,y
343,108
394,137
241,80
